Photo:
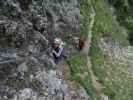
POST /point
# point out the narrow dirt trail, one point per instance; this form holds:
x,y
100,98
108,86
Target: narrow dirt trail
x,y
95,82
86,50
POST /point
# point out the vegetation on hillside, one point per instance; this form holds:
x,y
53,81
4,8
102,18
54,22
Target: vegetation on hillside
x,y
106,24
78,63
114,77
124,11
80,73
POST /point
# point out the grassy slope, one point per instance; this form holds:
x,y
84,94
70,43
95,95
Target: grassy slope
x,y
117,83
124,11
105,23
85,11
81,75
78,63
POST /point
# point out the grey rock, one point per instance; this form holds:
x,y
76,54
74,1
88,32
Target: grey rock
x,y
29,27
27,93
104,97
23,67
82,93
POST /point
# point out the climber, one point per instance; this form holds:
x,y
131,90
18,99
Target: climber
x,y
81,43
58,50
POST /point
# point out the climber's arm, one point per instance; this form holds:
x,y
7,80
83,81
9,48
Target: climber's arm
x,y
58,54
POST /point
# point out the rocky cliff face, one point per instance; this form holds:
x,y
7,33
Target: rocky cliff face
x,y
20,19
27,29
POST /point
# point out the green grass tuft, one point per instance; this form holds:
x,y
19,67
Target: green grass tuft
x,y
81,75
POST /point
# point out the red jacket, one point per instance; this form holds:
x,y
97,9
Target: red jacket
x,y
81,43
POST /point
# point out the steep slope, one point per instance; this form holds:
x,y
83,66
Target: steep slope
x,y
101,71
123,10
110,53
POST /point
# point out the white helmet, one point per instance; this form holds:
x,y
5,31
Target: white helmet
x,y
57,41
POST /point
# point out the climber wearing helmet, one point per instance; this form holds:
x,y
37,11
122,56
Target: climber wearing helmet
x,y
80,42
58,50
